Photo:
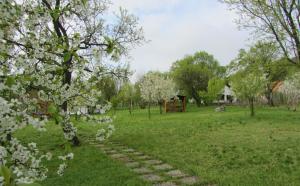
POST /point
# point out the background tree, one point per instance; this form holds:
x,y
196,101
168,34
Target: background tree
x,y
126,95
249,86
108,87
277,20
192,74
263,56
214,90
156,88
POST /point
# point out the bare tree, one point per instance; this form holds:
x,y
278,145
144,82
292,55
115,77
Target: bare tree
x,y
278,20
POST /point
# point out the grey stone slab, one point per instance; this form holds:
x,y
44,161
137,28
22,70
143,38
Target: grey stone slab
x,y
165,184
138,153
152,162
128,150
163,167
111,152
125,159
189,180
144,157
142,170
151,178
175,174
116,156
132,164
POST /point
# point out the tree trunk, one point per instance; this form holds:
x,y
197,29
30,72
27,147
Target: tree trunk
x,y
149,112
269,96
130,107
67,80
160,106
251,101
197,99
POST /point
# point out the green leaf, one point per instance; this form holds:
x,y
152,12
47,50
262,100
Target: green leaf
x,y
67,56
6,174
55,14
84,2
52,109
10,81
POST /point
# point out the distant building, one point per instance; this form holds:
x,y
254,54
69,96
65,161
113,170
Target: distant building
x,y
227,95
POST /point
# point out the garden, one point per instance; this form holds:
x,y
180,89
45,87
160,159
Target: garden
x,y
228,148
73,111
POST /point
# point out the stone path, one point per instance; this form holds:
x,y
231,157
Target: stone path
x,y
150,169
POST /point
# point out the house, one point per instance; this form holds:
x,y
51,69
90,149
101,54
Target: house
x,y
227,95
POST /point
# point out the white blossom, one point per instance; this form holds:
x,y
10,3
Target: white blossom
x,y
61,169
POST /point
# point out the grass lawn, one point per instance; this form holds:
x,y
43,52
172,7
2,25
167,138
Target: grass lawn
x,y
227,148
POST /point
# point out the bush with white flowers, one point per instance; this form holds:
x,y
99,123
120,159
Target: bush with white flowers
x,y
291,91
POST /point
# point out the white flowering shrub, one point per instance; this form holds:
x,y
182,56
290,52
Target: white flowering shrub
x,y
156,88
52,48
291,91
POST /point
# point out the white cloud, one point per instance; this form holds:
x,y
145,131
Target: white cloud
x,y
175,31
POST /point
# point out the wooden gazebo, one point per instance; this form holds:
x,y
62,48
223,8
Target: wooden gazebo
x,y
176,104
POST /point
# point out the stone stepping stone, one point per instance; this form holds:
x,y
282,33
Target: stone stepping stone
x,y
128,150
138,153
142,170
112,152
175,174
143,157
165,184
132,164
189,180
151,178
117,156
125,159
153,162
162,167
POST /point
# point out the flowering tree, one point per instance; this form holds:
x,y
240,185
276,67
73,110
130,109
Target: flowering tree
x,y
52,47
249,86
20,163
156,88
291,91
54,42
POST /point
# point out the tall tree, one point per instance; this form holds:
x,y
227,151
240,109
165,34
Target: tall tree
x,y
273,19
59,44
126,95
214,88
249,86
262,56
192,73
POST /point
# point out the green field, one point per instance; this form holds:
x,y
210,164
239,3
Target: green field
x,y
227,148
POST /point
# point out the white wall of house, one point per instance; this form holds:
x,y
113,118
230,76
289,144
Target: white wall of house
x,y
227,92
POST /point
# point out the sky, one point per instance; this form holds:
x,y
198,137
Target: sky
x,y
176,28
